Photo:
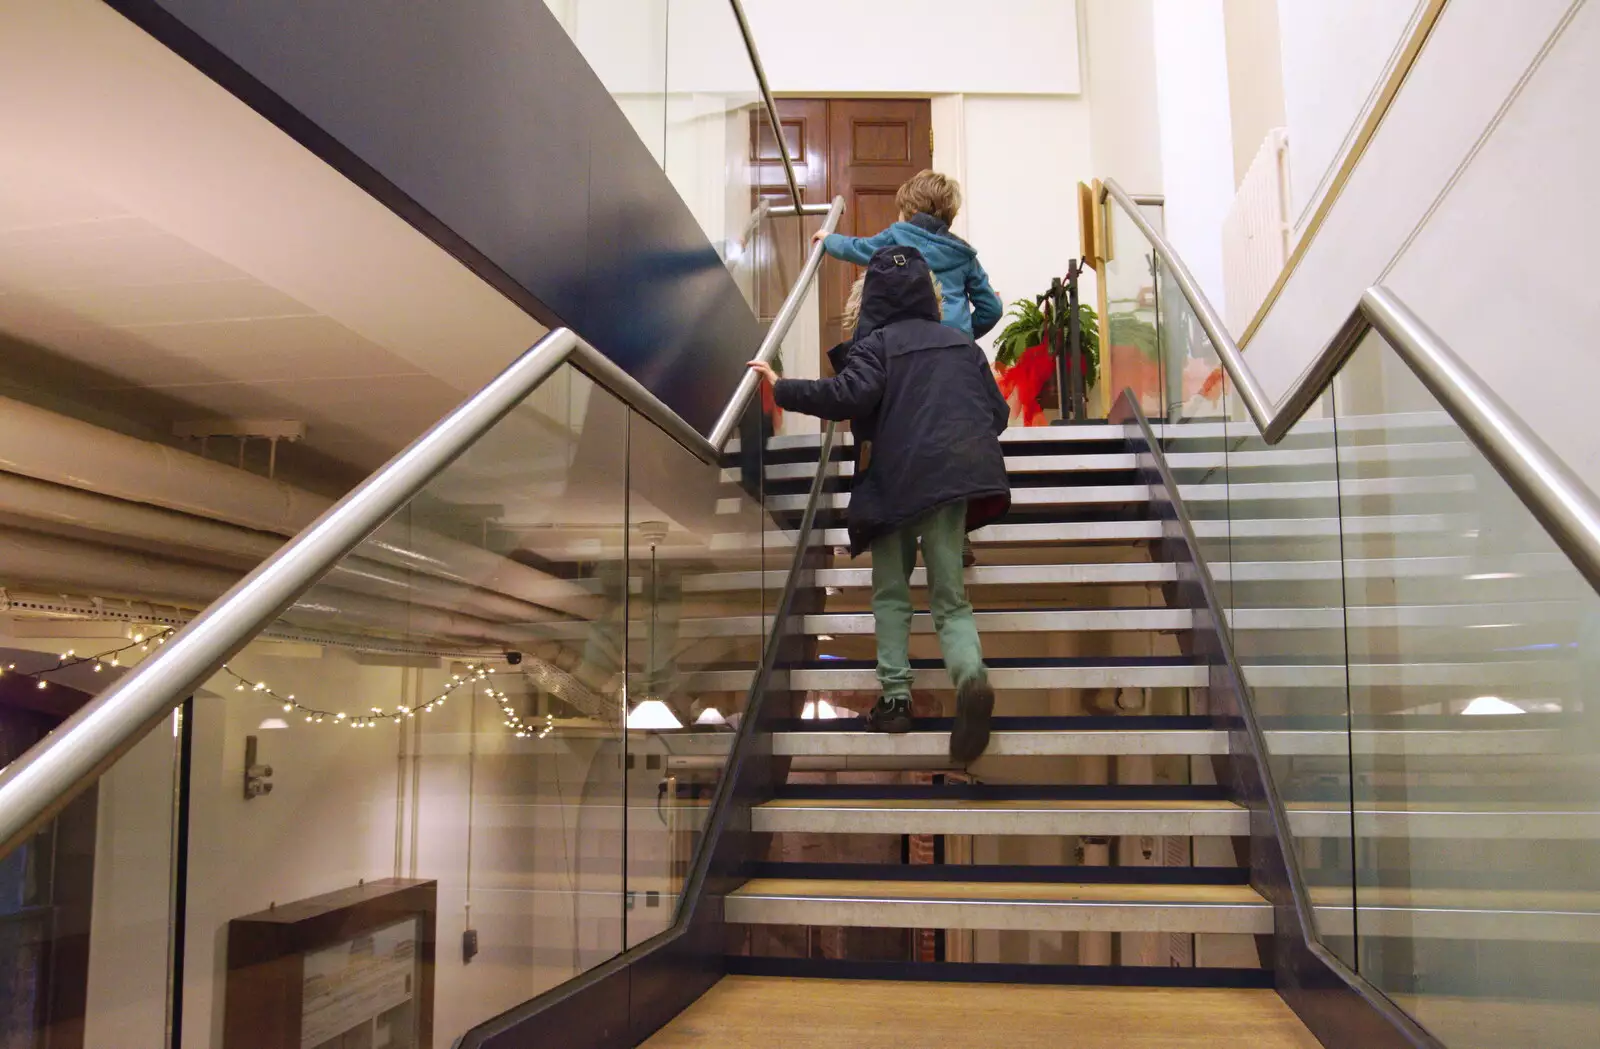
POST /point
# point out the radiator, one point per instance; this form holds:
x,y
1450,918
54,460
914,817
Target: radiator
x,y
1255,235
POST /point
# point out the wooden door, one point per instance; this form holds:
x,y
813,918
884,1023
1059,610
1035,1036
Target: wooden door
x,y
858,148
874,145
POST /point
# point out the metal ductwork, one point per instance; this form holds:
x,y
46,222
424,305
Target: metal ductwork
x,y
86,479
41,561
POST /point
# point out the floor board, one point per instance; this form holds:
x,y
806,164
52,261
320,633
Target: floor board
x,y
744,1011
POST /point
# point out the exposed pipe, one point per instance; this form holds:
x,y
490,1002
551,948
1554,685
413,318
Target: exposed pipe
x,y
68,472
175,534
50,447
42,561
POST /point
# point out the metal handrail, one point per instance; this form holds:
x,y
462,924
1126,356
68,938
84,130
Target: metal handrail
x,y
775,335
1567,508
768,101
37,785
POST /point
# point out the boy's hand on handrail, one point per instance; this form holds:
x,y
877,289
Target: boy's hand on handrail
x,y
764,370
818,235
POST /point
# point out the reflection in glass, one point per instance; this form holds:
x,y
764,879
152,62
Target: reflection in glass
x,y
85,904
696,628
1474,751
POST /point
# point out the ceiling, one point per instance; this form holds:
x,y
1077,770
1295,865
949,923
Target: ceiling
x,y
166,256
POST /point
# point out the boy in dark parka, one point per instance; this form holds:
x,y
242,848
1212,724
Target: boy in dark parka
x,y
926,416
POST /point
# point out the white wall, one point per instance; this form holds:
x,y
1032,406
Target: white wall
x,y
918,47
328,823
1196,132
1473,203
1024,158
1125,122
1255,76
1336,56
896,47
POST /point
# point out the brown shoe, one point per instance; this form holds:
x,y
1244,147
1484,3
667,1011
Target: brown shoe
x,y
974,708
969,556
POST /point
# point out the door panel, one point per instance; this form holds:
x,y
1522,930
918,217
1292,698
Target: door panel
x,y
859,148
874,145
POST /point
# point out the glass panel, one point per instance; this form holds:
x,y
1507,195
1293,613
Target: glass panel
x,y
86,904
696,628
719,146
1472,648
1267,520
1130,355
442,715
625,43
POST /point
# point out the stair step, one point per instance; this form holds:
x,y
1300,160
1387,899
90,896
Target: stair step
x,y
1486,821
1249,491
957,816
1004,872
1020,906
1389,424
1019,462
1134,531
1522,567
1072,495
1520,915
1082,620
1086,574
1057,743
843,675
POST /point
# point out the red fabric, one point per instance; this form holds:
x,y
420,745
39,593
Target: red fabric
x,y
1027,378
769,405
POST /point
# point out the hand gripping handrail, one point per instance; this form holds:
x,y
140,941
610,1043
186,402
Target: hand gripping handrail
x,y
37,785
1567,508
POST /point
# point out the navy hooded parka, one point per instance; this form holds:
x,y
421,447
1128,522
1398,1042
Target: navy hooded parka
x,y
923,408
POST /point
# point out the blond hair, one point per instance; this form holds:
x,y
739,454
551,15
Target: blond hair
x,y
929,191
852,302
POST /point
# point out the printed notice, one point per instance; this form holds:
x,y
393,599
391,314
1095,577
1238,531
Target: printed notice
x,y
359,994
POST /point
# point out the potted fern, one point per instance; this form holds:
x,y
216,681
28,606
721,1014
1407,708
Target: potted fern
x,y
1023,363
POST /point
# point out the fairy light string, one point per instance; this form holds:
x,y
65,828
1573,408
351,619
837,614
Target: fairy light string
x,y
111,657
473,674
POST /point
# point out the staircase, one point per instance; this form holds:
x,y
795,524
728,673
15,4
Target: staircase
x,y
1091,842
1096,840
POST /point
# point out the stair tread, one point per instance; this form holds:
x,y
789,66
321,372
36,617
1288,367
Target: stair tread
x,y
1004,892
1003,742
988,805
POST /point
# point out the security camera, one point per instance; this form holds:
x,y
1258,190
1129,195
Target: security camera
x,y
513,658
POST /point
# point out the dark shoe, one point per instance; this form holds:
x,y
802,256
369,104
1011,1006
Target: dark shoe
x,y
892,715
969,556
974,708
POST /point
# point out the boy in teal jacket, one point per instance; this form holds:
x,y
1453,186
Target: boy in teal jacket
x,y
928,203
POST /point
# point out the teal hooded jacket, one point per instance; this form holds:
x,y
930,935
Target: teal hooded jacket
x,y
970,304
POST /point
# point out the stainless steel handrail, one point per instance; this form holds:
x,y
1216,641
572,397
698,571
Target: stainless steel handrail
x,y
1567,508
789,210
776,333
768,101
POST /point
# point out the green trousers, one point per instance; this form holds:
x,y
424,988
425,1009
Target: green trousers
x,y
893,557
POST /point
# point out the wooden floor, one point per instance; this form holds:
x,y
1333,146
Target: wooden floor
x,y
745,1011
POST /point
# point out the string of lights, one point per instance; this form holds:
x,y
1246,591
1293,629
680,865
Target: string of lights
x,y
111,657
473,674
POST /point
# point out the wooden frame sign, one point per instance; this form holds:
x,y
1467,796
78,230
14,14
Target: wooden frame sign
x,y
351,969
